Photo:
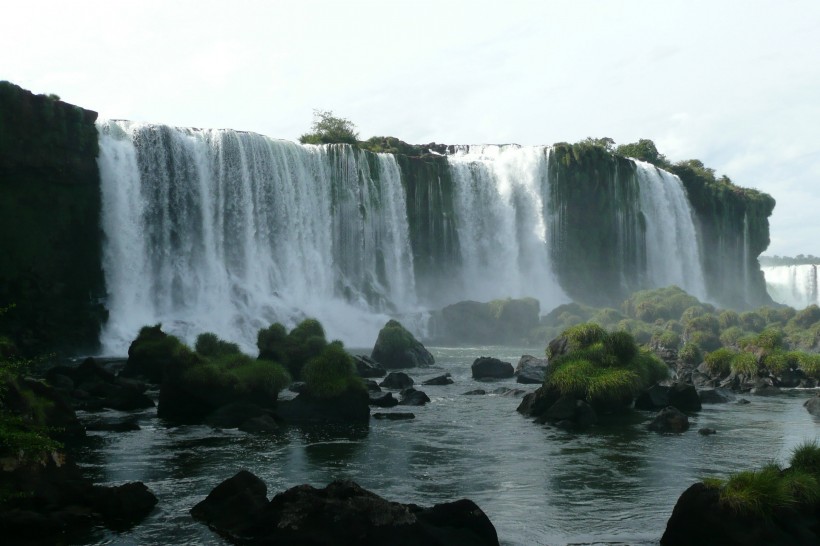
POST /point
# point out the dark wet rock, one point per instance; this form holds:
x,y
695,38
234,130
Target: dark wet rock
x,y
715,396
763,388
395,416
656,396
372,386
669,419
397,381
150,354
383,400
352,406
475,392
91,387
706,431
367,367
569,413
699,517
743,401
62,503
535,404
684,397
232,507
341,513
413,397
235,414
531,370
445,379
790,379
486,367
812,405
396,347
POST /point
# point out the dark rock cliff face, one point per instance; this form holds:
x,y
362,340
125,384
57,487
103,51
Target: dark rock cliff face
x,y
50,234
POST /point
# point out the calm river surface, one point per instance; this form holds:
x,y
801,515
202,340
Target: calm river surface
x,y
538,485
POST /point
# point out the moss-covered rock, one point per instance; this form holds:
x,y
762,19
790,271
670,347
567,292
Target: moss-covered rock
x,y
506,321
396,347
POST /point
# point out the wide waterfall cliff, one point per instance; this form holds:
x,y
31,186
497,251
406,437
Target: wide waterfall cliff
x,y
793,285
226,231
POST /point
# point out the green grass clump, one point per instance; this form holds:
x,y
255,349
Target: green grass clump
x,y
770,339
719,361
752,321
666,339
730,336
728,319
802,486
806,458
744,364
603,367
293,350
261,376
806,317
810,364
778,362
690,354
756,492
332,373
234,375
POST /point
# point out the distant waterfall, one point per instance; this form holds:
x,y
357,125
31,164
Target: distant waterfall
x,y
222,231
793,285
672,250
500,194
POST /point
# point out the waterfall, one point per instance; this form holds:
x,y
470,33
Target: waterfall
x,y
226,232
792,285
672,250
501,220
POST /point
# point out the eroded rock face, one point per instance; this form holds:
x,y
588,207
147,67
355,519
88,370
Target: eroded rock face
x,y
531,370
341,513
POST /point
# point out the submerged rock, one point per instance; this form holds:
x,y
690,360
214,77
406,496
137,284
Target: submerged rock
x,y
383,400
812,405
715,396
445,379
669,419
413,397
341,513
367,367
395,416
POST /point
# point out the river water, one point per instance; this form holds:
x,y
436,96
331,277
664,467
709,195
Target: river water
x,y
614,484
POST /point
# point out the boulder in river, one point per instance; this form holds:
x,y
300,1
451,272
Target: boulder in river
x,y
669,419
486,367
396,347
531,370
341,513
397,381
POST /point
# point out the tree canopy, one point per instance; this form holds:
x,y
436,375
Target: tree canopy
x,y
330,129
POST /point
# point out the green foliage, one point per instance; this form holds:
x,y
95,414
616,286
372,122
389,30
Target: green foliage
x,y
261,376
719,361
391,145
294,349
752,321
778,362
606,317
666,339
807,317
603,367
705,340
770,339
730,336
665,303
209,344
728,319
236,374
756,493
690,354
744,364
644,150
605,143
394,337
330,129
810,364
332,373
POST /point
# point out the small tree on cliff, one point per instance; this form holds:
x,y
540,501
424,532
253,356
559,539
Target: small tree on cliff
x,y
329,129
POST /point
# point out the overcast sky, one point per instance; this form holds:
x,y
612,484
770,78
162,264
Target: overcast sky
x,y
733,83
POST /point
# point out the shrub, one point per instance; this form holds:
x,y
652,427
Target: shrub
x,y
331,373
294,349
719,361
727,319
607,317
778,362
209,344
690,354
707,341
752,321
745,364
261,376
770,339
807,317
584,335
692,312
731,335
666,339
